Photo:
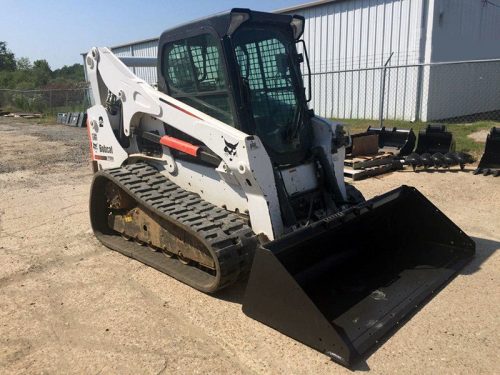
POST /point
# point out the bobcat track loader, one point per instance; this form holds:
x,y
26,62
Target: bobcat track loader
x,y
223,173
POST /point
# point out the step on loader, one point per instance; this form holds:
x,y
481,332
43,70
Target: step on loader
x,y
224,173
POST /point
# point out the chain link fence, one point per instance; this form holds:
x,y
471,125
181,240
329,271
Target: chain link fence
x,y
459,91
46,101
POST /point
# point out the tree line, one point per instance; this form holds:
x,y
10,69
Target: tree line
x,y
22,74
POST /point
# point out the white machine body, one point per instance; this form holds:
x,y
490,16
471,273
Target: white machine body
x,y
243,182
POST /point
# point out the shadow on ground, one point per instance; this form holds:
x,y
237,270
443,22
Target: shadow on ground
x,y
484,249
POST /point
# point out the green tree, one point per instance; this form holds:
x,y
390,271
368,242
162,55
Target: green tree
x,y
73,72
41,73
23,63
7,58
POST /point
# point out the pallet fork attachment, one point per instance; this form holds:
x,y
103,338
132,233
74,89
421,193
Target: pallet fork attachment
x,y
342,284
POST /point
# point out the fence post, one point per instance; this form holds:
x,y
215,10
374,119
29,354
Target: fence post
x,y
50,102
382,90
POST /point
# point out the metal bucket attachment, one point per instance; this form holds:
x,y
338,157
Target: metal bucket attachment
x,y
363,144
400,142
435,138
490,161
82,120
343,283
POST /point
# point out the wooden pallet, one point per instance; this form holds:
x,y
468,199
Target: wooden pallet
x,y
362,162
361,174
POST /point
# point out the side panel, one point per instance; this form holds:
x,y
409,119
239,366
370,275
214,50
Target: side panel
x,y
207,183
300,178
243,156
106,149
324,132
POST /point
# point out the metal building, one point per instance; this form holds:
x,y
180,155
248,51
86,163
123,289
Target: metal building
x,y
349,42
143,48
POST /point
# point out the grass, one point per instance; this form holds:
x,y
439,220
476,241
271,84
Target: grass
x,y
48,117
460,131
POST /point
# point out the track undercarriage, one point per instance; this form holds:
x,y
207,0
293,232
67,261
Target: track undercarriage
x,y
140,213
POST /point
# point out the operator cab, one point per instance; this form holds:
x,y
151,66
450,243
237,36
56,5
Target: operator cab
x,y
242,68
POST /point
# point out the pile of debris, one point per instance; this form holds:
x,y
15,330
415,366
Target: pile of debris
x,y
77,119
27,115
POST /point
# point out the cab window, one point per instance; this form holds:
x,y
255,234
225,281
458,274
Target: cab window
x,y
194,74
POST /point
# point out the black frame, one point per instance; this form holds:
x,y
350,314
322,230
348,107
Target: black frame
x,y
190,32
218,26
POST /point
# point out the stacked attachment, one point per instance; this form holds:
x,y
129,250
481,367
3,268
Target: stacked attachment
x,y
364,159
438,160
490,161
399,142
369,156
62,118
363,144
435,139
341,284
77,119
436,149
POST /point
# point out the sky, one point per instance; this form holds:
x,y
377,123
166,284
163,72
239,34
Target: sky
x,y
59,31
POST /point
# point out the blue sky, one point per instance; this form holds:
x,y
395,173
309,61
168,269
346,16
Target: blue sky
x,y
59,31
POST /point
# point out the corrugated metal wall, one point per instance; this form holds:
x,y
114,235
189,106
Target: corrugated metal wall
x,y
343,37
463,30
141,49
349,41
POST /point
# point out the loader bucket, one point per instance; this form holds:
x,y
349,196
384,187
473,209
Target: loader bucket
x,y
400,142
435,138
363,144
490,161
343,283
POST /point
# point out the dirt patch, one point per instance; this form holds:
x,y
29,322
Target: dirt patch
x,y
41,148
479,136
69,305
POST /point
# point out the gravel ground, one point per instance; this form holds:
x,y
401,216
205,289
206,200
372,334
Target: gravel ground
x,y
69,305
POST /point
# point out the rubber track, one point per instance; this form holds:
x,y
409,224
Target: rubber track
x,y
231,239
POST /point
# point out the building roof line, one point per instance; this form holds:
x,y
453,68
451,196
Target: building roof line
x,y
309,4
135,42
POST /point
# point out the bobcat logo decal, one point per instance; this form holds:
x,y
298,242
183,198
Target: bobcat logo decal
x,y
230,149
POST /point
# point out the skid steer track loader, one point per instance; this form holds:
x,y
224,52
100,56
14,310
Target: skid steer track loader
x,y
224,173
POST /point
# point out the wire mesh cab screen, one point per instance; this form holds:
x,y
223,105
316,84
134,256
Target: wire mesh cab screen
x,y
194,74
265,63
